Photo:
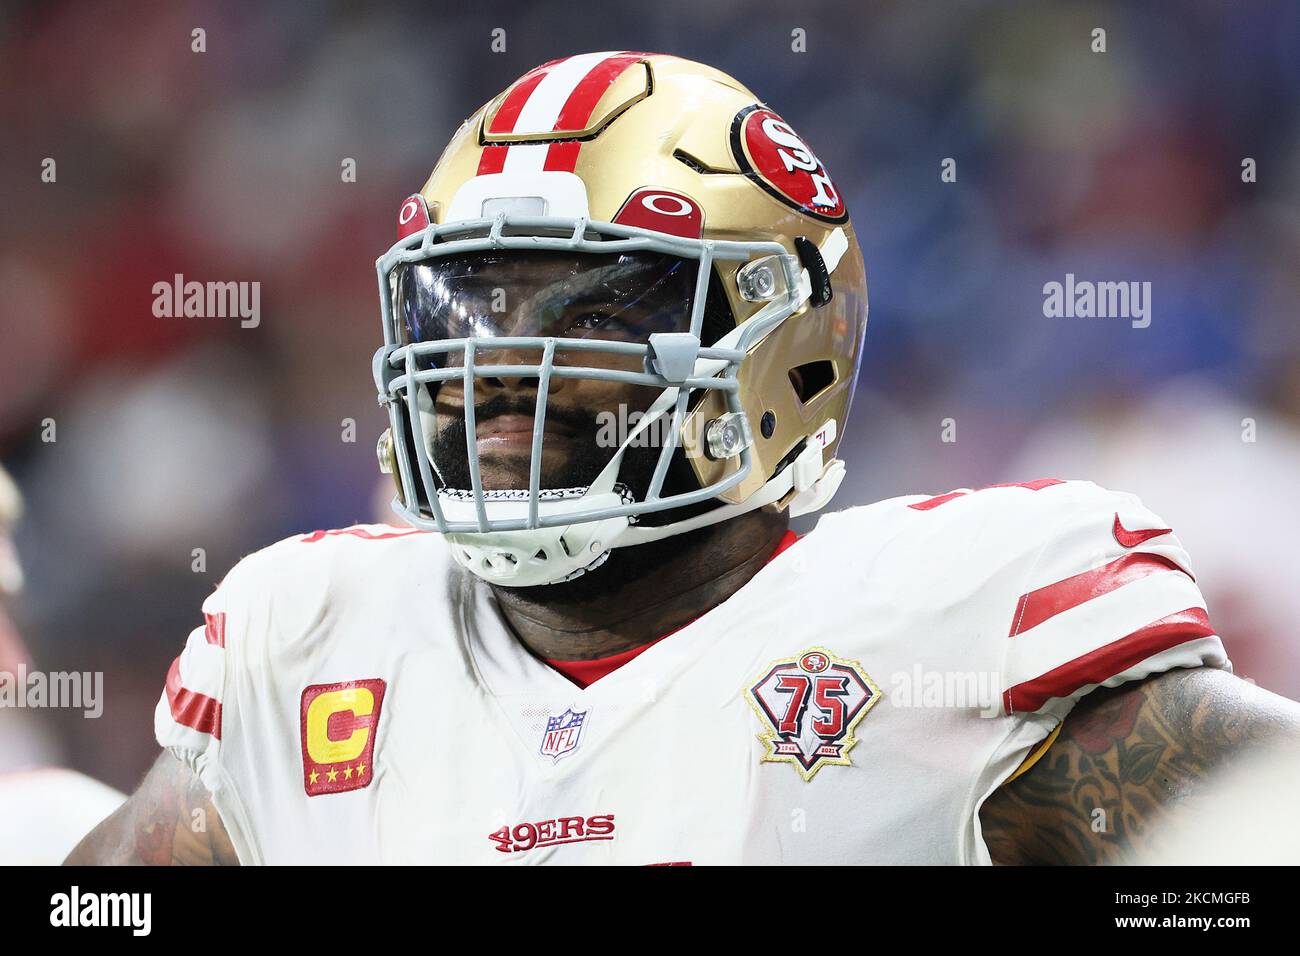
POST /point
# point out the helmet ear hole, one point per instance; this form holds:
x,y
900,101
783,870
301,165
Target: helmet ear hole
x,y
812,378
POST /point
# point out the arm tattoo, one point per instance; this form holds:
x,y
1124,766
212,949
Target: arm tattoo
x,y
1125,757
169,820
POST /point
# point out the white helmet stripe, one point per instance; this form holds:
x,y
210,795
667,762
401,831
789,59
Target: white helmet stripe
x,y
542,108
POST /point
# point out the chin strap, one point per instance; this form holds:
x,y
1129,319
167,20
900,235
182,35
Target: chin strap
x,y
556,554
812,485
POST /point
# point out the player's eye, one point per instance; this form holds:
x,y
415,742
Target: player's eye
x,y
591,321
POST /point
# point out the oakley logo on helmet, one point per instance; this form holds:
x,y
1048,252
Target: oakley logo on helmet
x,y
663,211
413,217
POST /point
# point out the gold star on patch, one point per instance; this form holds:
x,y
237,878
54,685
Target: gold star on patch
x,y
332,775
313,776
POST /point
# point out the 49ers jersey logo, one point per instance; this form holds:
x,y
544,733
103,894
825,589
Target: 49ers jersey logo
x,y
771,154
808,706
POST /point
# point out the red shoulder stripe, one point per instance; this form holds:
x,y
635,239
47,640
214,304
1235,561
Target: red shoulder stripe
x,y
362,533
197,711
1038,606
214,630
1038,484
1105,662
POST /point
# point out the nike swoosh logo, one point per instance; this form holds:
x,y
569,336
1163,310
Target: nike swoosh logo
x,y
1131,539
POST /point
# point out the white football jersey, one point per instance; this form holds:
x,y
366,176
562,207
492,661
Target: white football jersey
x,y
355,697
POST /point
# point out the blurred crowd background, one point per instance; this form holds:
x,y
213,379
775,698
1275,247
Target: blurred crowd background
x,y
176,434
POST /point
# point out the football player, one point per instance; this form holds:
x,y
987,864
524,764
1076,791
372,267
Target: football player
x,y
45,809
622,327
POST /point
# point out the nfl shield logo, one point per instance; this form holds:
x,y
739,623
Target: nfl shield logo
x,y
563,733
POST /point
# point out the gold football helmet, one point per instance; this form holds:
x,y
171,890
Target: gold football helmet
x,y
738,294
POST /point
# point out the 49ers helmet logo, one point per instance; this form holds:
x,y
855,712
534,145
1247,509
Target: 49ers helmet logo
x,y
771,153
809,705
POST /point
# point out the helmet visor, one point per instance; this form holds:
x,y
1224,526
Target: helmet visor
x,y
618,297
522,299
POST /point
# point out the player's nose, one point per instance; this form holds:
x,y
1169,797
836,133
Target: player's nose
x,y
511,369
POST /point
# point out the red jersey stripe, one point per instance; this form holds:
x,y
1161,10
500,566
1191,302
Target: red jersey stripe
x,y
359,532
1105,662
214,630
197,711
936,501
1045,603
1038,484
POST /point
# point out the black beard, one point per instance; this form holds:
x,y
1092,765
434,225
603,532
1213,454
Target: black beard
x,y
582,467
579,471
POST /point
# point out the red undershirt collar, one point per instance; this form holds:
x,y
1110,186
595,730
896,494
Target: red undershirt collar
x,y
584,673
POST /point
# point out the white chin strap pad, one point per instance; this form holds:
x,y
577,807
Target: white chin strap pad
x,y
538,555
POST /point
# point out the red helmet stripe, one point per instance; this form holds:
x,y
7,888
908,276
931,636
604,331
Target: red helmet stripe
x,y
566,102
582,101
577,109
562,157
493,159
504,121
